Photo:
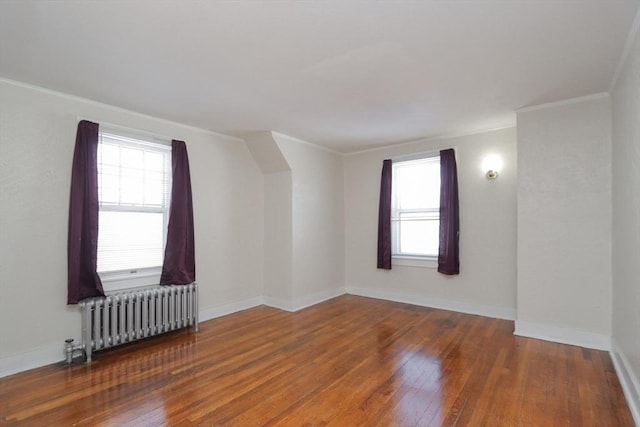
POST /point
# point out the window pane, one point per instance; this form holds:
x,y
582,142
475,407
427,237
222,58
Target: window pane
x,y
415,207
419,237
418,185
154,161
109,184
109,154
154,189
132,187
131,158
133,176
130,240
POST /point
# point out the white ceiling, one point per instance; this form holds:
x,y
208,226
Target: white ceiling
x,y
347,75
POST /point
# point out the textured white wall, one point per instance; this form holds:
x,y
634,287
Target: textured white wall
x,y
37,136
626,217
278,255
564,218
317,201
487,280
278,246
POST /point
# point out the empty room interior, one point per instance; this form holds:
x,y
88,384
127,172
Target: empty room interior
x,y
339,213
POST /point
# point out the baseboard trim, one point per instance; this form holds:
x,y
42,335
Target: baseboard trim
x,y
280,304
32,359
562,335
461,307
629,380
303,302
316,298
233,307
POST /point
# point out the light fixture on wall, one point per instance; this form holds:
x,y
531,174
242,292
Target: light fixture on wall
x,y
492,174
492,165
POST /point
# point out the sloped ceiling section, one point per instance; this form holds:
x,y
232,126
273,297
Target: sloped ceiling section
x,y
347,75
266,153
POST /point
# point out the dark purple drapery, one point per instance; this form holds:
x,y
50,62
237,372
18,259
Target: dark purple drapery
x,y
82,244
179,267
384,218
448,253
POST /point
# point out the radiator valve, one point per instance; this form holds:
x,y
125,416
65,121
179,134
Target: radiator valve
x,y
71,349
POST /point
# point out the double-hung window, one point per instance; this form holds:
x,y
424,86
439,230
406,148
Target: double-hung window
x,y
134,181
415,209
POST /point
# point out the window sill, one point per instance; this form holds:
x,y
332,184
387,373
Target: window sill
x,y
115,281
420,262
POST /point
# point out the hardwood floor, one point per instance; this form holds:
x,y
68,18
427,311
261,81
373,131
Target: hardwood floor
x,y
349,361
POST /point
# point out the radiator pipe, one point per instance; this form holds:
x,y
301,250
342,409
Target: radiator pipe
x,y
70,349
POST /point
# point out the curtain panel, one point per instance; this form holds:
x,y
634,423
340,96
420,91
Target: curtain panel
x,y
384,217
82,244
179,266
449,252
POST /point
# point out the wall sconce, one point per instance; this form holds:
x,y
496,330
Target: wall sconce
x,y
492,164
492,174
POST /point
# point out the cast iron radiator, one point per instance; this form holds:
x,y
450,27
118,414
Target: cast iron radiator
x,y
125,316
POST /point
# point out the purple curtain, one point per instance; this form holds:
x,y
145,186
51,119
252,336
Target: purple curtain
x,y
384,218
448,254
82,244
179,267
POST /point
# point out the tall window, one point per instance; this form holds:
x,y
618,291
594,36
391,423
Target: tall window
x,y
134,181
415,208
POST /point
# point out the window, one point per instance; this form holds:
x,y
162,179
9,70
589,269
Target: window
x,y
133,192
415,209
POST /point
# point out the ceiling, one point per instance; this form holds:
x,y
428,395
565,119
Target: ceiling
x,y
347,75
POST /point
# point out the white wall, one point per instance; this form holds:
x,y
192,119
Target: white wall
x,y
278,212
487,281
278,239
626,223
564,222
37,136
304,220
317,201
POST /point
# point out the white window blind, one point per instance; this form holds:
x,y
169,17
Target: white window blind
x,y
134,181
415,208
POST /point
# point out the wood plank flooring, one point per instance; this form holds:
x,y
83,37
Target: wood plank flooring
x,y
350,361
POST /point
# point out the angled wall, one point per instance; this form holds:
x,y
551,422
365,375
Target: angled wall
x,y
304,225
278,229
317,221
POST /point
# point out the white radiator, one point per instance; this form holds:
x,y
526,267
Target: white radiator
x,y
130,315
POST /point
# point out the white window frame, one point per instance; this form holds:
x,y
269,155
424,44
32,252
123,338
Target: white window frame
x,y
407,259
138,277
